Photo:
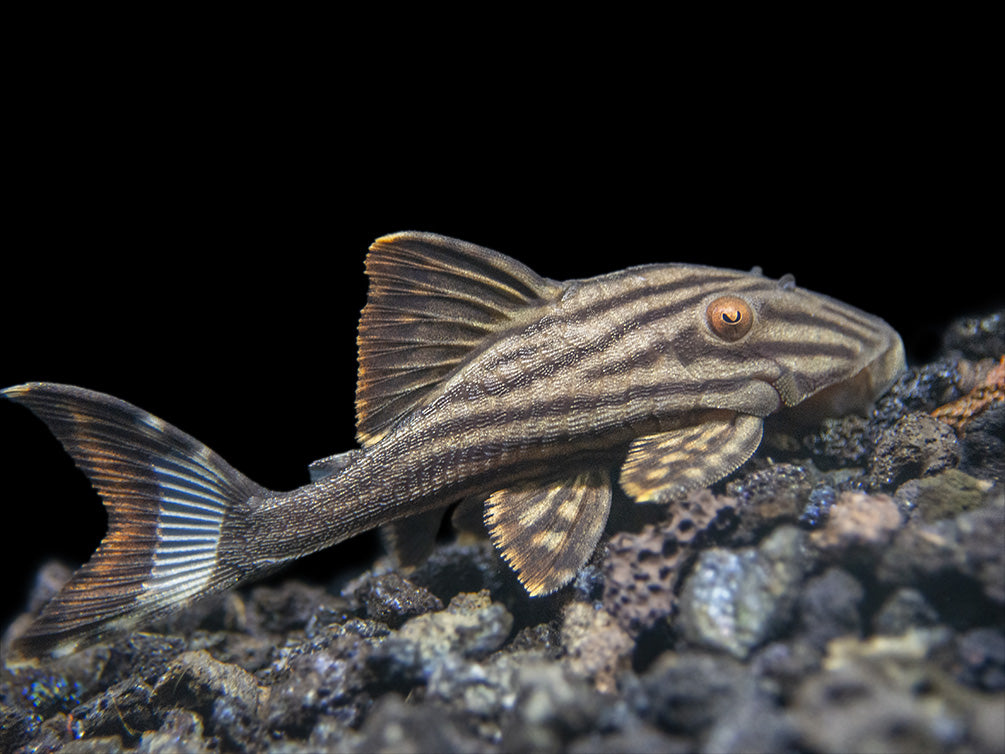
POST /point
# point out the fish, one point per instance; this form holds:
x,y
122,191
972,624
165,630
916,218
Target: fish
x,y
480,383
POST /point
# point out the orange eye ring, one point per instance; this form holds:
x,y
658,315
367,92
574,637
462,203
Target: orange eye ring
x,y
730,317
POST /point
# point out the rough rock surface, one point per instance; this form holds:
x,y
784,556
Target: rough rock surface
x,y
844,591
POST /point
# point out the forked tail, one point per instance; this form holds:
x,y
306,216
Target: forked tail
x,y
177,513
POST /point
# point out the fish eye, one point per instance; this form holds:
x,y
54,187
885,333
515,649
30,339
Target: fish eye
x,y
730,317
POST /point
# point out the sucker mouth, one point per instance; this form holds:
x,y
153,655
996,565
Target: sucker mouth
x,y
855,394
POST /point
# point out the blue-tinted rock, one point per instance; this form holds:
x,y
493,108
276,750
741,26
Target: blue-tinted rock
x,y
737,600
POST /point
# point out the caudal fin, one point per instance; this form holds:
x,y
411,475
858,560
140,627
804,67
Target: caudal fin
x,y
176,512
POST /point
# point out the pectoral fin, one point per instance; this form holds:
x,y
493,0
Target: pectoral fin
x,y
546,533
664,466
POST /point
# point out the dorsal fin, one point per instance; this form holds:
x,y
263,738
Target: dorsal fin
x,y
432,301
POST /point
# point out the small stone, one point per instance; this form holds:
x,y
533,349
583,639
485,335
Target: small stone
x,y
817,510
858,707
551,706
458,568
393,599
225,694
286,607
99,745
977,337
640,577
396,726
981,654
858,520
919,389
917,445
829,607
597,647
769,497
688,692
736,600
472,626
904,610
543,637
121,710
945,494
641,737
755,724
181,733
984,445
840,443
330,682
787,662
484,690
968,546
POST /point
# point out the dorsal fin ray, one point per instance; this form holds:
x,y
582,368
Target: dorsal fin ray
x,y
432,301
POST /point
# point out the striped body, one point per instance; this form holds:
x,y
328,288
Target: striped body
x,y
483,382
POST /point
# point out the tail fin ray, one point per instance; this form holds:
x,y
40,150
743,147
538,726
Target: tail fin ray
x,y
169,500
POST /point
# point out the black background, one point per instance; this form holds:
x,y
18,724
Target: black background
x,y
191,240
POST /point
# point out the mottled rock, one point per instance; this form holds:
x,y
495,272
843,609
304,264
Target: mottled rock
x,y
906,609
393,599
858,521
401,728
968,546
697,515
225,695
330,681
472,626
688,693
640,577
641,570
829,606
736,600
101,745
552,707
983,445
181,733
841,442
944,495
597,647
122,710
981,658
917,445
881,696
769,497
976,337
